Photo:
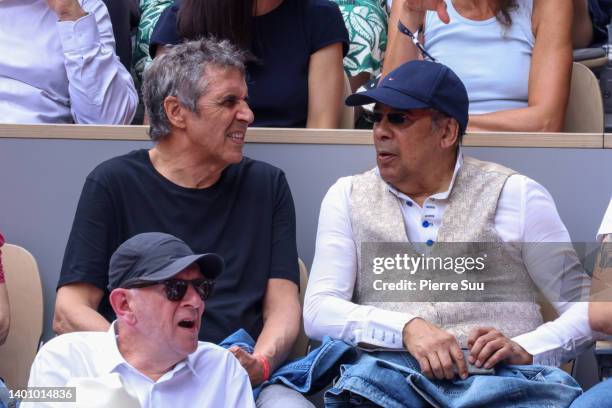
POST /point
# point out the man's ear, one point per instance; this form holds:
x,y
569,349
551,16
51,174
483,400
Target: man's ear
x,y
175,112
450,133
121,302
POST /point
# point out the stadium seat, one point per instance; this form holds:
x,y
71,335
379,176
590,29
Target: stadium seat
x,y
592,58
300,348
603,354
27,310
585,106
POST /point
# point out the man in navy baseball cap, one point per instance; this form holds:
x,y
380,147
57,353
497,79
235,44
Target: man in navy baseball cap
x,y
420,85
420,115
422,192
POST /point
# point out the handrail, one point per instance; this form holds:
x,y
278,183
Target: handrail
x,y
307,136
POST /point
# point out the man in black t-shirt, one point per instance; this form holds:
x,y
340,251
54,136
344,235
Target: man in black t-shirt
x,y
196,185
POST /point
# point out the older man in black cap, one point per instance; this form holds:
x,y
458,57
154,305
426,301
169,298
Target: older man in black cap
x,y
158,288
424,191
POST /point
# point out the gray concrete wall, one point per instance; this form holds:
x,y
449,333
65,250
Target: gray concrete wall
x,y
40,182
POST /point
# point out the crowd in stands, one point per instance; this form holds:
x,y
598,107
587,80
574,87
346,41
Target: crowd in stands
x,y
515,59
191,297
513,55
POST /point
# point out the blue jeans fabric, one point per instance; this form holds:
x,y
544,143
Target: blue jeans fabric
x,y
4,395
307,375
5,402
393,380
598,396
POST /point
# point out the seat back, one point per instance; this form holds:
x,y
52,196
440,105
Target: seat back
x,y
585,112
26,304
300,348
348,112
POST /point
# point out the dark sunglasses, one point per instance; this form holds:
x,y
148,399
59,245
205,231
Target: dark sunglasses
x,y
395,118
177,288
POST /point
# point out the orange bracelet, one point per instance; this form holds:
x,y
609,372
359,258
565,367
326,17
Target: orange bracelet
x,y
266,366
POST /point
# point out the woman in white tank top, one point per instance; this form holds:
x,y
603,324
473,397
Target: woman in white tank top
x,y
514,56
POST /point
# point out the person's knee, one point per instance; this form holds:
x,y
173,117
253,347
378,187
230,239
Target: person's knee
x,y
279,396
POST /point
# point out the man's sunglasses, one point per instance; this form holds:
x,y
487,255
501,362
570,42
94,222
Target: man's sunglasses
x,y
177,288
395,118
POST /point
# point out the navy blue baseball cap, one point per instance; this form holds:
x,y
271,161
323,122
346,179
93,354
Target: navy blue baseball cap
x,y
419,85
154,257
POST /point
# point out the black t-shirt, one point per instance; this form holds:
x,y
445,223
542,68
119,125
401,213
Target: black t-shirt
x,y
283,41
247,217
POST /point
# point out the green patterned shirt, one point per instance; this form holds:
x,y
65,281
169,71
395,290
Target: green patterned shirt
x,y
366,22
150,11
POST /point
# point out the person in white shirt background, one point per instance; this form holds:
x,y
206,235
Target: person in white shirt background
x,y
58,64
420,160
600,309
158,287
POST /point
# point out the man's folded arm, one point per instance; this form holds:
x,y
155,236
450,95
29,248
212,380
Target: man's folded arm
x,y
101,89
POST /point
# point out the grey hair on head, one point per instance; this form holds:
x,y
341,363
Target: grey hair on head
x,y
182,72
436,123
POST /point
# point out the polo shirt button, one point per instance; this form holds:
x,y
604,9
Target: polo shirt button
x,y
409,203
425,224
429,242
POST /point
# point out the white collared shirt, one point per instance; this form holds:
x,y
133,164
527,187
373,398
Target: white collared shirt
x,y
526,213
61,72
606,224
209,377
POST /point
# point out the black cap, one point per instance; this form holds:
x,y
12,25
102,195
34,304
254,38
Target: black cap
x,y
418,85
155,256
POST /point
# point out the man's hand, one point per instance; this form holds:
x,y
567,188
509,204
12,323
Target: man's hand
x,y
250,363
436,350
66,10
489,346
421,6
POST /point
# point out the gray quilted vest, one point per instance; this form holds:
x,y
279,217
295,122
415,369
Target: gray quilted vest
x,y
376,217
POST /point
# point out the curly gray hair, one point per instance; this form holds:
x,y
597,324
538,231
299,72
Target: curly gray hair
x,y
181,72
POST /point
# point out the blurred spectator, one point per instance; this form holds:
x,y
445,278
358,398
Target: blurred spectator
x,y
150,11
514,56
600,310
124,16
58,64
590,20
5,320
296,79
366,22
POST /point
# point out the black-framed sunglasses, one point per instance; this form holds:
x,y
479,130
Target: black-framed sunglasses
x,y
177,288
395,118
